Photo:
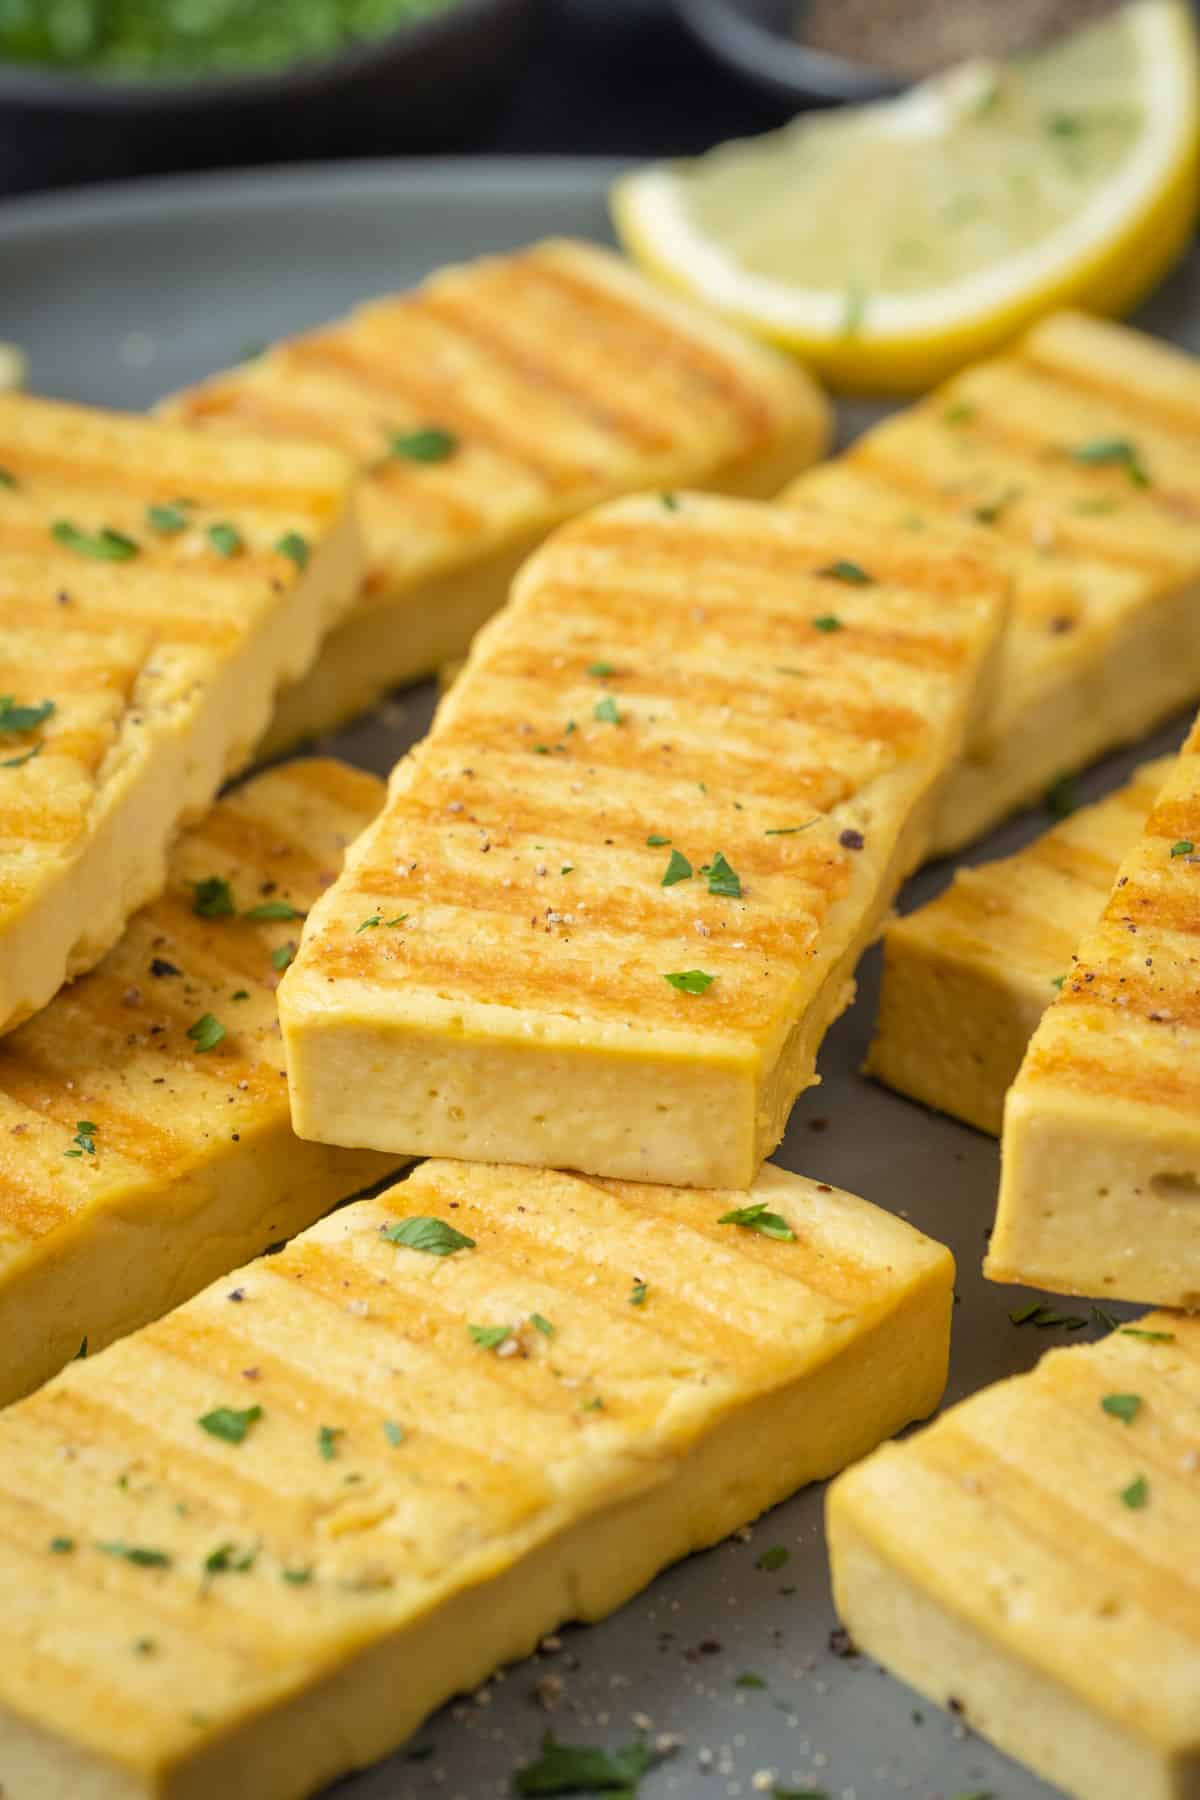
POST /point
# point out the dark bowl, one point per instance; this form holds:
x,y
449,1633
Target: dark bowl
x,y
434,83
757,38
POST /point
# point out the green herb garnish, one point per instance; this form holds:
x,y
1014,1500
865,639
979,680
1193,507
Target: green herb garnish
x,y
606,711
229,1423
226,539
1150,1337
670,502
20,719
678,869
137,1554
376,920
206,1033
212,898
327,1440
722,880
489,1337
429,444
541,1324
395,1434
84,1139
295,548
791,830
1061,798
227,1559
17,762
773,1559
1136,1495
433,1236
750,1680
274,909
1184,847
690,981
638,1293
105,545
656,840
583,1769
849,572
1113,452
757,1218
167,521
283,956
297,1577
828,622
1044,1318
1122,1406
602,668
7,478
959,413
62,1546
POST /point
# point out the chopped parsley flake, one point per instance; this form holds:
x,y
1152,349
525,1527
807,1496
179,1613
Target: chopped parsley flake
x,y
850,572
791,830
773,1559
1044,1318
602,668
377,919
433,1236
227,1559
167,521
274,909
1136,1495
722,880
294,547
670,502
828,622
990,510
327,1440
1061,798
20,719
206,1033
84,1139
596,1405
62,1546
18,762
1125,1407
1150,1337
81,1354
757,1218
959,413
7,478
750,1680
212,898
606,711
637,1296
542,1324
226,539
583,1769
395,1434
283,956
105,545
678,869
656,840
1184,847
488,1337
297,1577
1056,981
429,444
137,1554
690,981
1113,452
230,1423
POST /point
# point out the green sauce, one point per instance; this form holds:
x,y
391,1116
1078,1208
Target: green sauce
x,y
194,37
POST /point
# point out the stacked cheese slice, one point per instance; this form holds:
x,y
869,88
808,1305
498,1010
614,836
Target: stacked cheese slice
x,y
485,407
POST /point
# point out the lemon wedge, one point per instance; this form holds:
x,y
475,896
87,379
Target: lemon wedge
x,y
890,243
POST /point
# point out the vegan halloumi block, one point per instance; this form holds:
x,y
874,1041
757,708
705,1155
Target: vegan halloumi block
x,y
492,402
618,894
1029,1561
293,1517
145,1139
1076,454
157,585
967,977
1100,1164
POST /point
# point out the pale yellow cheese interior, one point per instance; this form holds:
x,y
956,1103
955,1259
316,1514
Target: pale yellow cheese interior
x,y
1100,1156
992,1562
967,976
195,1167
469,1499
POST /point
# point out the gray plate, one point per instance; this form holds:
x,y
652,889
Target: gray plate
x,y
122,294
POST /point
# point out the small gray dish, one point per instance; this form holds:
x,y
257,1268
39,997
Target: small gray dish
x,y
758,39
430,82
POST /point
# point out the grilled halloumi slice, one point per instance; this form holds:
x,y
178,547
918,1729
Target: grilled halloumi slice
x,y
618,894
494,401
1029,1561
1076,453
1101,1145
280,1531
967,977
142,1152
156,587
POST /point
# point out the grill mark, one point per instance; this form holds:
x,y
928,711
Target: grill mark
x,y
1143,998
172,630
1166,906
1123,1076
92,478
665,343
1023,390
1097,377
371,370
1073,862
